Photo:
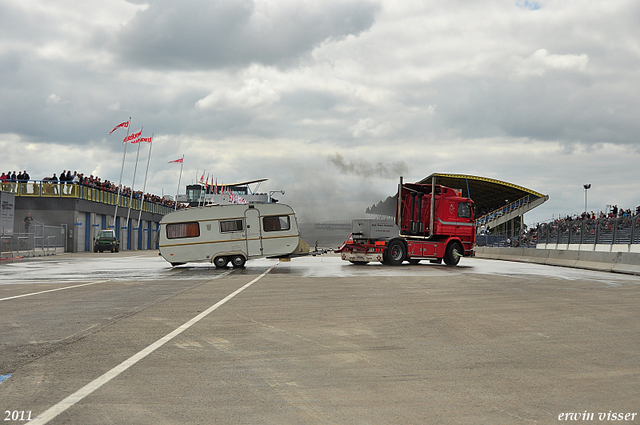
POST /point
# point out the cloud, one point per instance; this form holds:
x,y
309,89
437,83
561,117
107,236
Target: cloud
x,y
540,62
230,33
328,96
369,126
252,93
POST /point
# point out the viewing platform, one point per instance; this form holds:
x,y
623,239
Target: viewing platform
x,y
79,212
49,189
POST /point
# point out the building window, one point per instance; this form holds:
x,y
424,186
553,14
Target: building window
x,y
183,230
276,223
231,226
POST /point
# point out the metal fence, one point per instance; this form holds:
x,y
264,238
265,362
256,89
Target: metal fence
x,y
39,240
603,231
611,231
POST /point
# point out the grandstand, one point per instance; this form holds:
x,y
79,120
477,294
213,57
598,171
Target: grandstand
x,y
498,203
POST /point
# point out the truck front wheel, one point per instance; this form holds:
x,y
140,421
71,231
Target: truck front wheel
x,y
453,254
396,253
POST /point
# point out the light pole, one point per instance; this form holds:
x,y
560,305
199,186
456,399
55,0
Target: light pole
x,y
586,187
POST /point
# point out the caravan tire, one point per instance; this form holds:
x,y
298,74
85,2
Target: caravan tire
x,y
220,262
238,261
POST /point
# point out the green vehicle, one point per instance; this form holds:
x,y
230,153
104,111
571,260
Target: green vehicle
x,y
106,241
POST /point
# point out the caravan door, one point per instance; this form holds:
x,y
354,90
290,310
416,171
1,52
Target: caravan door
x,y
253,232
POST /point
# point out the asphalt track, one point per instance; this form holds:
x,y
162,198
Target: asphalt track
x,y
126,339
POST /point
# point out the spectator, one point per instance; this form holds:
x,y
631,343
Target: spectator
x,y
28,221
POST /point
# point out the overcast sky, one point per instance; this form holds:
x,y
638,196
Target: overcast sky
x,y
331,100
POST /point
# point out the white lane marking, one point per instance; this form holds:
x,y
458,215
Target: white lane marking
x,y
74,398
53,290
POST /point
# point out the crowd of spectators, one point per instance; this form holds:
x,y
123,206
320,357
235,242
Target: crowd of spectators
x,y
529,236
69,178
12,177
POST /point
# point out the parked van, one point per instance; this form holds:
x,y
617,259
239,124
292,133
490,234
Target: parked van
x,y
231,233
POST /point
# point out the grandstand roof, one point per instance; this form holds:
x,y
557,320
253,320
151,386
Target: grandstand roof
x,y
484,191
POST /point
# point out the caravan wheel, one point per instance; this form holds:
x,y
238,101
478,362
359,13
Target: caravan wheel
x,y
220,262
238,261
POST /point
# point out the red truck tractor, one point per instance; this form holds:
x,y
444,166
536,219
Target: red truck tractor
x,y
432,222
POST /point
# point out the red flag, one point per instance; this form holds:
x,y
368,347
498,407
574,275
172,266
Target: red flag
x,y
133,136
177,160
143,140
202,177
123,125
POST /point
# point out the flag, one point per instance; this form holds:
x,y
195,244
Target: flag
x,y
143,140
131,137
123,125
202,177
177,160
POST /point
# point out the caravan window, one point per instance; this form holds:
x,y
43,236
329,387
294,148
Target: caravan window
x,y
231,226
275,223
183,230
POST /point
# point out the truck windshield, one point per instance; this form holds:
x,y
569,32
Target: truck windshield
x,y
464,210
106,234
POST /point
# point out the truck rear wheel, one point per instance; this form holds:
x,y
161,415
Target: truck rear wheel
x,y
396,253
453,254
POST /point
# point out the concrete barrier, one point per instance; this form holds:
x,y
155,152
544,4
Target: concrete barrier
x,y
618,262
595,260
627,262
537,256
562,258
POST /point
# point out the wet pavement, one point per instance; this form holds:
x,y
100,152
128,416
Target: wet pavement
x,y
314,340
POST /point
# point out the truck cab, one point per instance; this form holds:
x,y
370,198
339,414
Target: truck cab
x,y
434,223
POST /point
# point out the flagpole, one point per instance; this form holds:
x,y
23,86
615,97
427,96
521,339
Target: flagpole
x,y
175,207
144,185
115,214
135,169
199,181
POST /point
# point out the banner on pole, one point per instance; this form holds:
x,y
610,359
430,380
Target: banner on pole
x,y
143,140
131,137
121,125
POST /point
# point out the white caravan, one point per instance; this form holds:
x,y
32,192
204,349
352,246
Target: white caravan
x,y
229,233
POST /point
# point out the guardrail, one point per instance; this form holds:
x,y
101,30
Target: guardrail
x,y
617,262
52,189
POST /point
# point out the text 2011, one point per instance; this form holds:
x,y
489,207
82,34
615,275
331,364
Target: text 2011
x,y
17,415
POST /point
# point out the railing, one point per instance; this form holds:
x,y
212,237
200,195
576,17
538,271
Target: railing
x,y
48,189
505,210
40,238
603,231
611,231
